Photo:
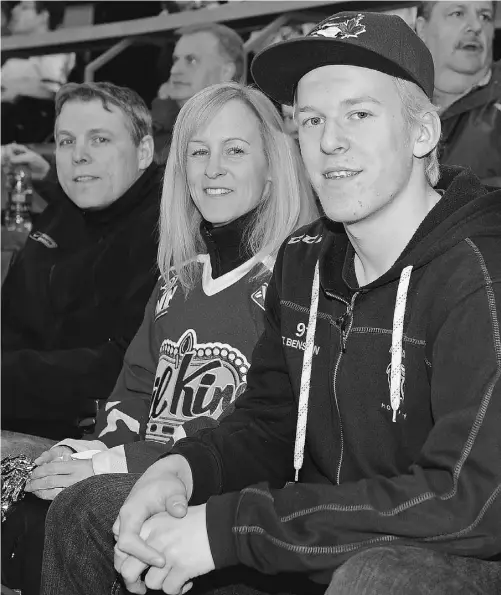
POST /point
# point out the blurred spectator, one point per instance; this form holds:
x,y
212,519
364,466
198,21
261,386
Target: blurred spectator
x,y
75,294
196,4
205,54
30,84
467,83
257,42
407,13
6,12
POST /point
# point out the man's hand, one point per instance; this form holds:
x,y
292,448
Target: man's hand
x,y
164,90
9,94
15,154
165,487
49,479
185,546
56,452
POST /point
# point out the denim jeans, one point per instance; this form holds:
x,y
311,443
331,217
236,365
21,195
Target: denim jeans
x,y
78,554
78,558
395,570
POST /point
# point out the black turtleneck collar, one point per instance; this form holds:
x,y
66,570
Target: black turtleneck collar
x,y
224,244
138,192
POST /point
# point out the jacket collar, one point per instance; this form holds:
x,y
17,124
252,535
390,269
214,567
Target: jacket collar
x,y
139,192
226,244
479,96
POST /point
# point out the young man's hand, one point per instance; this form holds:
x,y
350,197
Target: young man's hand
x,y
49,479
164,90
164,488
185,546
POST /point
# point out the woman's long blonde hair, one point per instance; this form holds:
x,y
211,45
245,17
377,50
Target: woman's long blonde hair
x,y
288,204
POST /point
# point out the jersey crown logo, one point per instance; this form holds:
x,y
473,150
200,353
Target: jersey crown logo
x,y
193,379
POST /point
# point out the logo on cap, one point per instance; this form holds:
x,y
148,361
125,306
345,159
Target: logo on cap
x,y
339,30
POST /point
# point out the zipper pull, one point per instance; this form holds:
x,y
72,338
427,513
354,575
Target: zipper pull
x,y
344,338
341,323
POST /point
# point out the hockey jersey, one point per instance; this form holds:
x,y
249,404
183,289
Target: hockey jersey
x,y
185,367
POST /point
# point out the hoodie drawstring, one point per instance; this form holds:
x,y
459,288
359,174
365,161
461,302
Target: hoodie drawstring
x,y
306,376
396,359
396,341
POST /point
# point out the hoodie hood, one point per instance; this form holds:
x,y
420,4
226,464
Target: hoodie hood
x,y
466,209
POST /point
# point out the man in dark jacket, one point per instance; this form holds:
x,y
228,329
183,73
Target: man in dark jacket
x,y
460,36
75,294
366,450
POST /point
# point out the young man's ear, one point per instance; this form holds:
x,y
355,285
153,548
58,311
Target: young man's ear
x,y
428,134
146,151
228,72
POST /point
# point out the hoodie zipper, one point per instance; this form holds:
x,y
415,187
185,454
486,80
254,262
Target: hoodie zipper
x,y
345,323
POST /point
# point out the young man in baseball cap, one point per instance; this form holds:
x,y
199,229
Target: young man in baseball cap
x,y
366,452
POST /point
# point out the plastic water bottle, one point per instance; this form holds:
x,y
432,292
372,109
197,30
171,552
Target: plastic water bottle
x,y
18,211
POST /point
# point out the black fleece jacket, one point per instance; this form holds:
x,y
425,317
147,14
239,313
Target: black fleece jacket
x,y
471,131
71,303
432,477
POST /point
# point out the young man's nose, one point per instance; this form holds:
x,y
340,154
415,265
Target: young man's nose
x,y
333,139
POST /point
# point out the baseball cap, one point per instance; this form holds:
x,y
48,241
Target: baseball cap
x,y
372,40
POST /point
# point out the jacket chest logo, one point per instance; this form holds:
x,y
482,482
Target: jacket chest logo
x,y
44,239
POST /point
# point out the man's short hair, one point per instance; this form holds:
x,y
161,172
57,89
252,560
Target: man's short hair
x,y
128,101
231,45
425,9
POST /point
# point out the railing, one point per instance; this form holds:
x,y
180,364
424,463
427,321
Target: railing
x,y
116,37
103,36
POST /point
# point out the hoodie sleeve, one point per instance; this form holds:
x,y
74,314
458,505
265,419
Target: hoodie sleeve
x,y
124,415
450,499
